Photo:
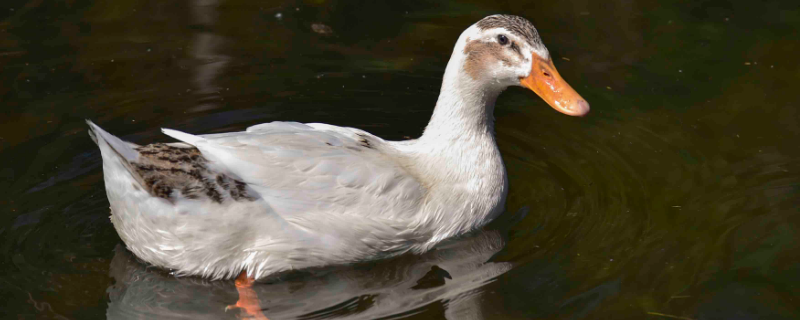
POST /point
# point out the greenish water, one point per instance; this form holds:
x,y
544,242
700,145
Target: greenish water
x,y
677,197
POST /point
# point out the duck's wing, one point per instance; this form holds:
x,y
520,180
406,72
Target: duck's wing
x,y
303,169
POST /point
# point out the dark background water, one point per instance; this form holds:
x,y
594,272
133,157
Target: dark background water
x,y
677,197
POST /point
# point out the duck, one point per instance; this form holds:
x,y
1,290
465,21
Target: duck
x,y
284,196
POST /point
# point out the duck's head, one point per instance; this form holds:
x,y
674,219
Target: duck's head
x,y
503,50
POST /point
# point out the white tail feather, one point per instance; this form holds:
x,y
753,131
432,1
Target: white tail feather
x,y
123,148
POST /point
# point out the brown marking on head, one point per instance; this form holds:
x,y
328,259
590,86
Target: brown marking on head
x,y
514,47
479,55
519,26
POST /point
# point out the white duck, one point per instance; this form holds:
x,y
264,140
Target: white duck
x,y
286,195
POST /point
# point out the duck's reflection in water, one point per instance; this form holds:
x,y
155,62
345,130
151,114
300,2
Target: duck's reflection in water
x,y
448,275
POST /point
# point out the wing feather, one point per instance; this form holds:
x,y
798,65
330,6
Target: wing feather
x,y
312,169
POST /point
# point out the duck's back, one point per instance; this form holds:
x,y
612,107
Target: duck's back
x,y
301,169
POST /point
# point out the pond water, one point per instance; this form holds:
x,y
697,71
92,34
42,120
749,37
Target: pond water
x,y
678,197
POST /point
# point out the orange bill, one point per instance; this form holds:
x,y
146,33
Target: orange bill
x,y
548,84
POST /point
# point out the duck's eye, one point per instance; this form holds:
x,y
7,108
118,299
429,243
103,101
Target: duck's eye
x,y
502,39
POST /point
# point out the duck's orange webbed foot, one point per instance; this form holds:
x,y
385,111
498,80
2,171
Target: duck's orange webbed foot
x,y
248,300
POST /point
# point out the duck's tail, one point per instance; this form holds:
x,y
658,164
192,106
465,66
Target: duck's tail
x,y
124,149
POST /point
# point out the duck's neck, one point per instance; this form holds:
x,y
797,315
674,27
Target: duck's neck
x,y
465,109
458,159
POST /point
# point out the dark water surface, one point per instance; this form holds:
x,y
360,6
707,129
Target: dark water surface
x,y
678,197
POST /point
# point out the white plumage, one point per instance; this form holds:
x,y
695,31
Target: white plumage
x,y
285,195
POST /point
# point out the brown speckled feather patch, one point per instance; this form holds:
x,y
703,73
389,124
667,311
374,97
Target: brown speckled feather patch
x,y
172,172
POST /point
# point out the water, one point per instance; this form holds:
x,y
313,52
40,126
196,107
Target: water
x,y
677,197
